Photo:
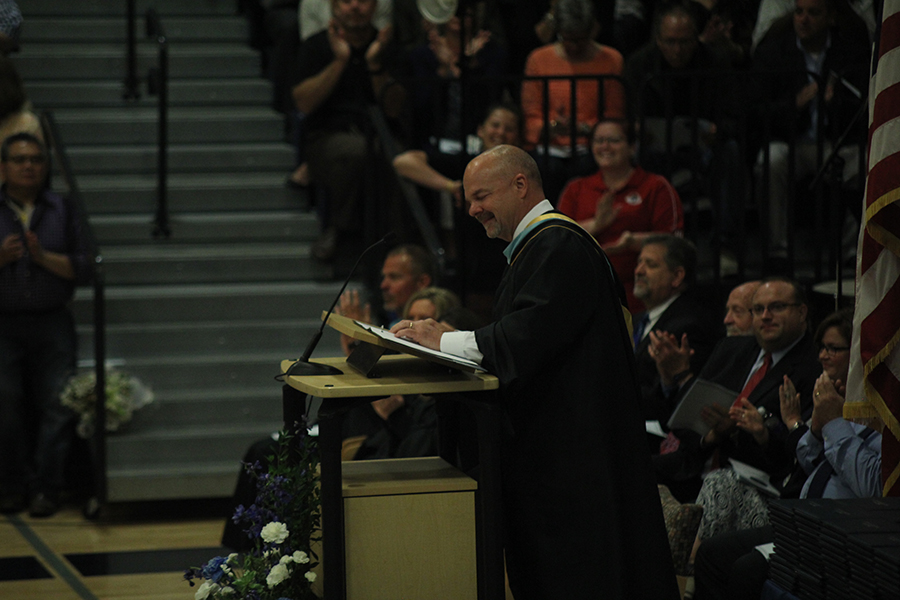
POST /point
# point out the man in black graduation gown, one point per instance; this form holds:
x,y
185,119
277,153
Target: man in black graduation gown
x,y
582,512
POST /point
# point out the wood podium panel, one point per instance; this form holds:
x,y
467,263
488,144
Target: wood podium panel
x,y
394,374
402,374
404,512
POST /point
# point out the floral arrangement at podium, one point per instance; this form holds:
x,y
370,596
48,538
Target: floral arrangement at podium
x,y
282,522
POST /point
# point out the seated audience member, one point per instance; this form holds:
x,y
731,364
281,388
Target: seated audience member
x,y
342,72
738,309
430,303
780,346
402,426
621,204
575,53
407,269
803,72
676,77
502,125
852,14
432,73
479,259
663,280
728,29
730,505
842,460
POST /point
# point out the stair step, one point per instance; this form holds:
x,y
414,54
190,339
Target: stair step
x,y
127,341
107,194
139,125
184,158
275,226
201,480
102,29
208,302
210,371
105,61
185,263
67,93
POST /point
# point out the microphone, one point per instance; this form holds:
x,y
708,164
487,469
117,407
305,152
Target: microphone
x,y
302,366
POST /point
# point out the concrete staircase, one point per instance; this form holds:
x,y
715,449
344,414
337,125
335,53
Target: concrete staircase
x,y
204,317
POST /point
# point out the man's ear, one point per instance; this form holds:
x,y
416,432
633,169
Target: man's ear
x,y
521,183
679,278
424,281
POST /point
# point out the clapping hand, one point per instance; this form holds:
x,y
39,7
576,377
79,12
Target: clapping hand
x,y
12,249
605,213
790,403
749,419
376,48
828,404
671,357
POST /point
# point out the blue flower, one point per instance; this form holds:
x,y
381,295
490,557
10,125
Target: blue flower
x,y
213,569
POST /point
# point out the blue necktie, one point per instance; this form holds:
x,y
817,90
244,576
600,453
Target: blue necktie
x,y
639,330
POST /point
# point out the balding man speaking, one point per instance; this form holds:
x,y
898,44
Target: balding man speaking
x,y
581,509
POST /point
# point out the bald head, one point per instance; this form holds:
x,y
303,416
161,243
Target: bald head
x,y
738,319
502,185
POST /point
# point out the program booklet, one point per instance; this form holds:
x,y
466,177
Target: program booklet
x,y
702,394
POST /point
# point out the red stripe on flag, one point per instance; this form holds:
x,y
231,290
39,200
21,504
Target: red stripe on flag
x,y
883,177
871,249
888,387
890,34
886,104
880,325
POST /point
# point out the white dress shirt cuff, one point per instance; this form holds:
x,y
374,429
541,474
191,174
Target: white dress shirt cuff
x,y
461,343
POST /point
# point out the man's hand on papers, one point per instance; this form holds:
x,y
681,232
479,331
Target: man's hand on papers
x,y
425,333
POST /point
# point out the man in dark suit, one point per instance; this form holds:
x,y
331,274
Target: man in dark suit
x,y
809,72
781,346
663,279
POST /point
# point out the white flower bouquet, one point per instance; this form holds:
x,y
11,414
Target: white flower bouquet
x,y
282,522
124,395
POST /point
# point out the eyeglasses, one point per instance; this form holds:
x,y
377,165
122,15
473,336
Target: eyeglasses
x,y
21,159
775,308
608,140
832,350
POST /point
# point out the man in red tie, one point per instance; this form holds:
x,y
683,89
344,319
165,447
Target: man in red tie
x,y
754,367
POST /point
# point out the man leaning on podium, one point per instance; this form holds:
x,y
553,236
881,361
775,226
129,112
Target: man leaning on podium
x,y
581,508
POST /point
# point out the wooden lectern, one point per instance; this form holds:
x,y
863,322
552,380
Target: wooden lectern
x,y
370,375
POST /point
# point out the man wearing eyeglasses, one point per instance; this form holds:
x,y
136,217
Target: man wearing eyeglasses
x,y
753,367
42,256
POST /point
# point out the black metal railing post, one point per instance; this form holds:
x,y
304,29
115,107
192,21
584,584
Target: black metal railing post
x,y
159,85
132,90
98,440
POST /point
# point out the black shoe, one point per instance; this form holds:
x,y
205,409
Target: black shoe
x,y
42,506
12,503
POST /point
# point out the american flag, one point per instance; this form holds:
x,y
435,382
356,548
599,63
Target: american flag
x,y
873,387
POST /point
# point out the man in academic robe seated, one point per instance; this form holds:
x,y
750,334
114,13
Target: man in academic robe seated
x,y
781,345
582,513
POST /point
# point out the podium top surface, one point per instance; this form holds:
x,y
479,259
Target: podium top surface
x,y
394,374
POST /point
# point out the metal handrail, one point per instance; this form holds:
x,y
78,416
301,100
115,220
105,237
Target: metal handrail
x,y
132,90
57,148
159,86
